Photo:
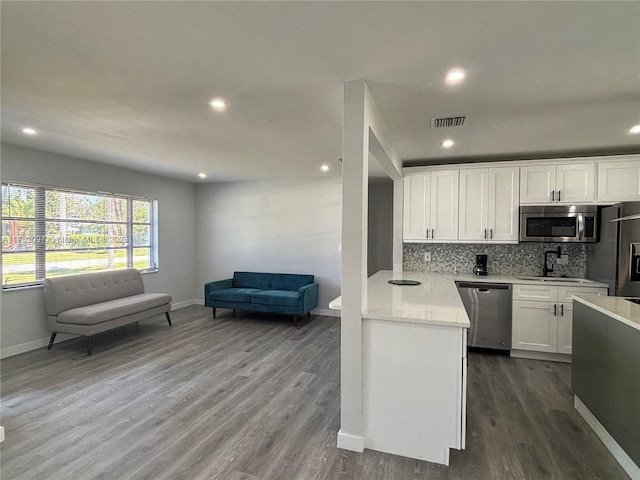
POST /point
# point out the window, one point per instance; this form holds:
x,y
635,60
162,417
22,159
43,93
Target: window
x,y
50,232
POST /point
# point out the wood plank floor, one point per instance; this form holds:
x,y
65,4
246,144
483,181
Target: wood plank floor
x,y
253,397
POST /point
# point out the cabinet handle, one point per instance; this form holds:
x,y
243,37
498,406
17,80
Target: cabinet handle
x,y
555,309
485,233
553,195
433,235
559,194
427,233
562,310
491,233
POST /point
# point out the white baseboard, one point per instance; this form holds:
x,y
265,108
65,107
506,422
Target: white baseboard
x,y
43,342
1,434
325,311
616,450
551,357
347,441
23,347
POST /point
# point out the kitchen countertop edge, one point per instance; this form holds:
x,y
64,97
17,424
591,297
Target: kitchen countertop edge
x,y
378,280
615,307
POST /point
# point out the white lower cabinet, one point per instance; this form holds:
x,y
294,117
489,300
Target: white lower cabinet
x,y
543,316
565,327
534,327
414,389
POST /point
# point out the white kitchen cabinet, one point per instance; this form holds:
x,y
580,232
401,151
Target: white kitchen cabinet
x,y
414,389
542,318
416,207
559,183
565,327
488,207
619,180
536,183
534,327
430,211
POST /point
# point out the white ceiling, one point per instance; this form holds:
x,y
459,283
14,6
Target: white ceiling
x,y
127,83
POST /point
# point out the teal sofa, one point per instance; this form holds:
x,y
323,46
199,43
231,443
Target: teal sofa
x,y
286,293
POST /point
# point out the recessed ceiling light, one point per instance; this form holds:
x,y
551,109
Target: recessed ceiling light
x,y
29,131
202,175
635,129
324,168
218,104
448,143
455,76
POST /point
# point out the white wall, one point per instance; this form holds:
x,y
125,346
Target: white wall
x,y
285,226
23,317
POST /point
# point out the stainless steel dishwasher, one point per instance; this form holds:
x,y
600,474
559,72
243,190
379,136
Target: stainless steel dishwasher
x,y
489,308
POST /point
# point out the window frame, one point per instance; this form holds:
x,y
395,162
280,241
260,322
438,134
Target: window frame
x,y
40,221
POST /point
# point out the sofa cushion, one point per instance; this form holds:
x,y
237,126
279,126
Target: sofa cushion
x,y
280,298
233,294
120,307
271,281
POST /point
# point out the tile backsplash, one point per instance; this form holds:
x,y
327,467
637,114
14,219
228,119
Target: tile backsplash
x,y
519,259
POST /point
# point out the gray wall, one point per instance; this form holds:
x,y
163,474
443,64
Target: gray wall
x,y
23,317
287,226
380,228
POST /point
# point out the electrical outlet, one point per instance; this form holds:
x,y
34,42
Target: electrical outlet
x,y
563,260
427,256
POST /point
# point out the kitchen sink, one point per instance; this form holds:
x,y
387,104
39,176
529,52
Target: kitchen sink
x,y
555,279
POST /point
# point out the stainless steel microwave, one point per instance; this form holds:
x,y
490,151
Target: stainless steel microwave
x,y
555,223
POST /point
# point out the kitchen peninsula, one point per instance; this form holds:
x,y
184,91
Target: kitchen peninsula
x,y
606,373
414,365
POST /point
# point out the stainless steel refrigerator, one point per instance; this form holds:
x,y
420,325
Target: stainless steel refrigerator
x,y
615,258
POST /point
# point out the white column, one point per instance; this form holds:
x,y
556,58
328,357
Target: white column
x,y
363,131
355,158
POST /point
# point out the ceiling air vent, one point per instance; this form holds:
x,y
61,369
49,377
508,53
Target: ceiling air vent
x,y
443,122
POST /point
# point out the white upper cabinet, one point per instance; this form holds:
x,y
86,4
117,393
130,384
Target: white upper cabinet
x,y
444,205
489,205
430,211
416,208
563,183
537,183
576,182
618,180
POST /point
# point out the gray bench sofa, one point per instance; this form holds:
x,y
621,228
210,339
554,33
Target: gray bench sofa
x,y
96,302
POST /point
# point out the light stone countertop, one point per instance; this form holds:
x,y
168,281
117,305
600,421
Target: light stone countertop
x,y
615,307
435,301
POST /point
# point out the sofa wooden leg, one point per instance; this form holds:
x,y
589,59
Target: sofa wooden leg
x,y
295,320
233,314
89,341
213,311
53,337
308,314
168,318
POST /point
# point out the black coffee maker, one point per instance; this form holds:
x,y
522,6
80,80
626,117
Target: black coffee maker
x,y
481,264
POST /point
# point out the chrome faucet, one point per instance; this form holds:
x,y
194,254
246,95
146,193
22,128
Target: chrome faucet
x,y
545,269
